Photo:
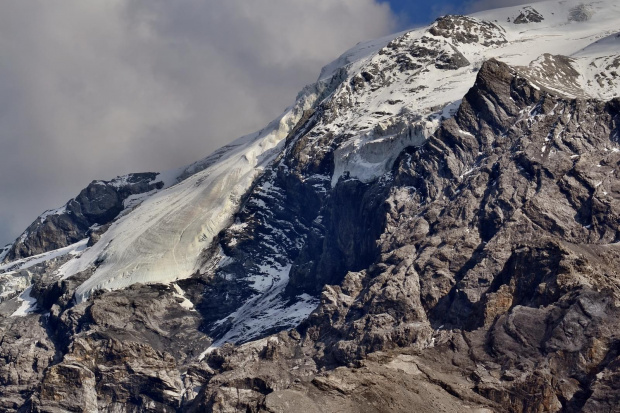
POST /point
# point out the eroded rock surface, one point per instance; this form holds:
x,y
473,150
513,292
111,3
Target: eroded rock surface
x,y
528,15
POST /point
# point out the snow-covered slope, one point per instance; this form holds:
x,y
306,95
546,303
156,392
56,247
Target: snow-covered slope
x,y
162,239
375,100
15,277
417,89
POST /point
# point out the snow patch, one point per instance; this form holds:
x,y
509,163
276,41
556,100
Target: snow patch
x,y
179,293
266,310
57,211
28,304
25,263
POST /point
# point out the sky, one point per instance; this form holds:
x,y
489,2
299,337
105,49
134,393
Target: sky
x,y
414,12
93,90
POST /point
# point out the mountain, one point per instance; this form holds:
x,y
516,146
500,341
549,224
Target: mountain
x,y
434,225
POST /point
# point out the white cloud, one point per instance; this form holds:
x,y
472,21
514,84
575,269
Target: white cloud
x,y
93,89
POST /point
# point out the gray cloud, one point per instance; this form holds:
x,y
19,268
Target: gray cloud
x,y
91,90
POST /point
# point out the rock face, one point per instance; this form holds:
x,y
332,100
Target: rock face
x,y
581,13
496,268
459,258
528,15
465,30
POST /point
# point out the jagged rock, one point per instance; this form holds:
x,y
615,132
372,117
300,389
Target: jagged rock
x,y
67,387
26,350
148,328
528,15
458,258
469,257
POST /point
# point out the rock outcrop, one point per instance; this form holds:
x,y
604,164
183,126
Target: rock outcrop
x,y
96,205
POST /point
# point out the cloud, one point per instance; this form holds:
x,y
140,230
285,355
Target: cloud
x,y
479,5
91,90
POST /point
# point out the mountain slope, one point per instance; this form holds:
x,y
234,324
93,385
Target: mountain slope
x,y
438,212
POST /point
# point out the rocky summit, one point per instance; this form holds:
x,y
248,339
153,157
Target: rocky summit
x,y
434,225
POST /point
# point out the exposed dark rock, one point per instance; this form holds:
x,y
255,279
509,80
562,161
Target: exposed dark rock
x,y
528,15
581,13
451,61
486,255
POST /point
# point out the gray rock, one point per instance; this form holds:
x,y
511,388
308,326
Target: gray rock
x,y
528,15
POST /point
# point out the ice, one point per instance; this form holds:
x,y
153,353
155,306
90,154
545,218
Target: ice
x,y
26,263
372,154
133,200
162,238
28,304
